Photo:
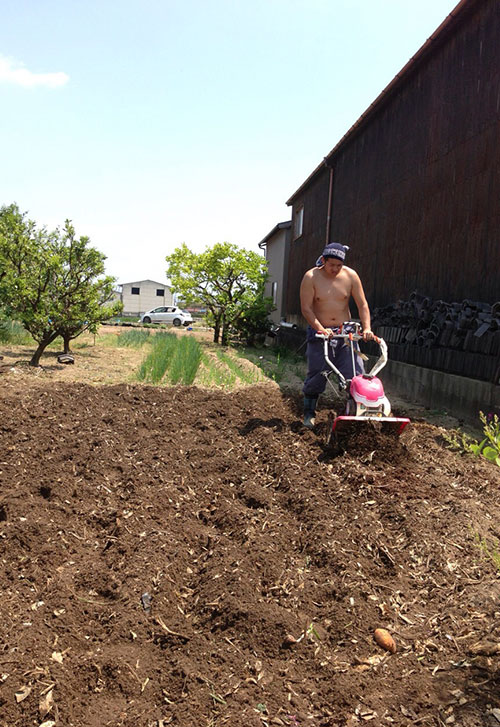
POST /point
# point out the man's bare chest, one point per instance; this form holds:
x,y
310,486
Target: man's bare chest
x,y
332,290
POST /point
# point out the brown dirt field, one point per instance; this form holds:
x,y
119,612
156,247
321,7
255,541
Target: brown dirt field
x,y
160,547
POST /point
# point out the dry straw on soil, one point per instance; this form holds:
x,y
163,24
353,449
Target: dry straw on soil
x,y
191,557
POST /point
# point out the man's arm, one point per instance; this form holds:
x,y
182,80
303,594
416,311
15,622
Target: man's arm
x,y
306,303
364,311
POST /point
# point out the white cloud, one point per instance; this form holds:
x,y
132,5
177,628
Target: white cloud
x,y
14,72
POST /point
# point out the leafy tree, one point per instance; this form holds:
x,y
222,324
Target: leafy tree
x,y
86,300
29,265
225,278
49,280
253,319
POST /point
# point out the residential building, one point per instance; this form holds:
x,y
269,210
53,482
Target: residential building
x,y
143,295
276,246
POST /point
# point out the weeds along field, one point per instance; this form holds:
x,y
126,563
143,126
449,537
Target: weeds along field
x,y
176,549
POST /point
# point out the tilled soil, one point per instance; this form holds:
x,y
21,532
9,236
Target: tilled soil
x,y
193,558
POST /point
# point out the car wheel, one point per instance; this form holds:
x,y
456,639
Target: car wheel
x,y
146,319
177,321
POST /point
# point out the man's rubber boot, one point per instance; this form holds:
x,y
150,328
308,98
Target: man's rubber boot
x,y
310,411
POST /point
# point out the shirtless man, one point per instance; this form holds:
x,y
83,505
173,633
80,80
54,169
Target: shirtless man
x,y
325,292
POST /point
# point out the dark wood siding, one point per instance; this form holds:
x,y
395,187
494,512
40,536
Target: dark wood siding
x,y
304,250
417,188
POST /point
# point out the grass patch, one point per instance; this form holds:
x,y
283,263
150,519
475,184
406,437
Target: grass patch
x,y
133,338
225,368
221,368
13,332
171,357
124,319
277,362
57,344
213,374
158,360
84,340
185,362
241,372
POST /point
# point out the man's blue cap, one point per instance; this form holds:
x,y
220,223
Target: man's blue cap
x,y
335,249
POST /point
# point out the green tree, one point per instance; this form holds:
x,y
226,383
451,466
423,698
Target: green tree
x,y
225,278
49,281
29,263
86,296
253,318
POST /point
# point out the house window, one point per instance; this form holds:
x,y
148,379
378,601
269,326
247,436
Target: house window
x,y
298,222
274,292
160,292
136,291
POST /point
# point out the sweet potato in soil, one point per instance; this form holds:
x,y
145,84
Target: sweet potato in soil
x,y
159,548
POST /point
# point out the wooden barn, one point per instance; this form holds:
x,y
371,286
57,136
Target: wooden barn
x,y
414,188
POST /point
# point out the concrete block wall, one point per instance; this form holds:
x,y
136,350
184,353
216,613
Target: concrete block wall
x,y
459,396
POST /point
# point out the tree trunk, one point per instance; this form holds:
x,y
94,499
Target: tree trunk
x,y
42,345
216,332
66,339
35,359
225,331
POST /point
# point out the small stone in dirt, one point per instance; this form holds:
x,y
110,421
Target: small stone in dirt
x,y
146,602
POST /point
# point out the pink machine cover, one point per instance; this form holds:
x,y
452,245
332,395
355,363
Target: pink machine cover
x,y
369,388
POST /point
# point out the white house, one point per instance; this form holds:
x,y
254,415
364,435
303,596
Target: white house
x,y
143,295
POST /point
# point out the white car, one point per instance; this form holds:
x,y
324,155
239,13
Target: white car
x,y
167,314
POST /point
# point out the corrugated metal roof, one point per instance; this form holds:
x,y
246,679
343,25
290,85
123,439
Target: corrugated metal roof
x,y
430,46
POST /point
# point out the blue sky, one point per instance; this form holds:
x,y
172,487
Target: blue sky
x,y
167,121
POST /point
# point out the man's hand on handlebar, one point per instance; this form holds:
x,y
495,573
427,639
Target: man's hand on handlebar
x,y
366,335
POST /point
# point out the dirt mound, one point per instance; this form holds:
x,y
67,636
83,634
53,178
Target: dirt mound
x,y
192,558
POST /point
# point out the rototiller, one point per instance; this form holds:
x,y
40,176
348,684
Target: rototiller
x,y
366,403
